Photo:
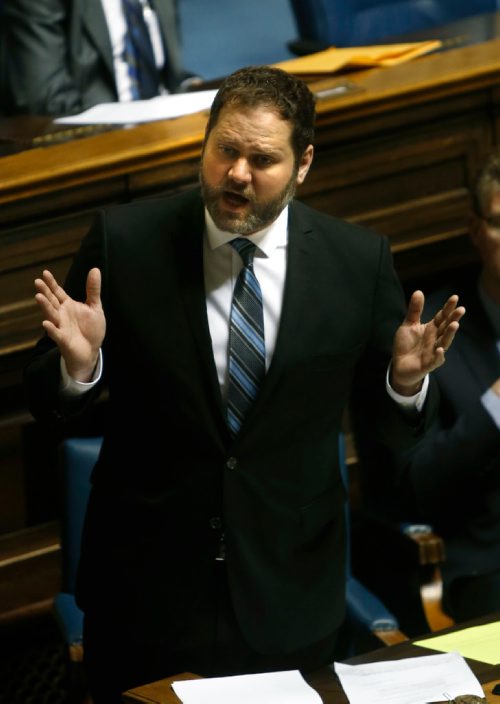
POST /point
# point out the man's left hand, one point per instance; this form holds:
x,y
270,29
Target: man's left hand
x,y
419,348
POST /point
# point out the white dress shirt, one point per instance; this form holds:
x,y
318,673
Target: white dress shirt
x,y
117,28
222,264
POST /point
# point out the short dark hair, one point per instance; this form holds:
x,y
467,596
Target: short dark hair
x,y
254,86
488,178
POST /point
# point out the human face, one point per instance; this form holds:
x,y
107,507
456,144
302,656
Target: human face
x,y
485,235
248,168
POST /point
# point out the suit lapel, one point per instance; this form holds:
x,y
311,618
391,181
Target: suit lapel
x,y
188,243
296,299
297,293
94,19
165,12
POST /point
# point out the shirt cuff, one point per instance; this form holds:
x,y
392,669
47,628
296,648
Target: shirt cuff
x,y
491,402
71,387
410,403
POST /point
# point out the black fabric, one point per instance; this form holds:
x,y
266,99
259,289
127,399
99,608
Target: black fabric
x,y
168,464
211,645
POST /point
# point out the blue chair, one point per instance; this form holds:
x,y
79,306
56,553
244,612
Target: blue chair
x,y
366,613
343,23
77,459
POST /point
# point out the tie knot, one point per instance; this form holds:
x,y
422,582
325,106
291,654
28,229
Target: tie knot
x,y
245,249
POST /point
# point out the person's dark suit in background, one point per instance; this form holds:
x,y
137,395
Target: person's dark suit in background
x,y
202,551
64,56
454,472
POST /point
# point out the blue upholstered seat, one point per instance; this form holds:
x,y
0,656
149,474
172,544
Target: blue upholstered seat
x,y
77,457
361,22
365,611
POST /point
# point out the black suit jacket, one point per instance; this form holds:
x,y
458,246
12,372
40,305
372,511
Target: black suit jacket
x,y
168,464
455,469
58,57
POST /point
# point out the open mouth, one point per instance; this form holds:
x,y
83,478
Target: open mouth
x,y
235,200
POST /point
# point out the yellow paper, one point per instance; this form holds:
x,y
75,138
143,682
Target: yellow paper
x,y
477,642
333,59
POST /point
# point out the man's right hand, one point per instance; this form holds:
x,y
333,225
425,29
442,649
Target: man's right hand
x,y
77,328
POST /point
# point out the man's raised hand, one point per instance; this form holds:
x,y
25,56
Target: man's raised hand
x,y
77,328
418,347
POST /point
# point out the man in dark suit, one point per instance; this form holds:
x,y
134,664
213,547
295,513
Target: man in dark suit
x,y
64,56
454,472
205,549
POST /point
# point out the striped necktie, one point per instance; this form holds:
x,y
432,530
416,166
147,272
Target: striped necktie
x,y
139,53
247,356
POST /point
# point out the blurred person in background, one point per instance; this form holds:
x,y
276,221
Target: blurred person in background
x,y
454,471
64,56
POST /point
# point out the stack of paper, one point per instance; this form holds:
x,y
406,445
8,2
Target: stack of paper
x,y
266,688
431,678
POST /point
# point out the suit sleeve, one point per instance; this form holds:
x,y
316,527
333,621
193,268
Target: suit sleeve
x,y
36,73
376,416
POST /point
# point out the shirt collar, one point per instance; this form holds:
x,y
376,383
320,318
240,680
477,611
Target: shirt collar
x,y
267,240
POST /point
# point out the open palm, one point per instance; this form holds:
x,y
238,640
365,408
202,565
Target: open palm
x,y
77,328
418,347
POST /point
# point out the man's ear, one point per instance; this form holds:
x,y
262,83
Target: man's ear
x,y
305,164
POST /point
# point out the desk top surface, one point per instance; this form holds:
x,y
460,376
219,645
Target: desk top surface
x,y
475,49
326,683
119,152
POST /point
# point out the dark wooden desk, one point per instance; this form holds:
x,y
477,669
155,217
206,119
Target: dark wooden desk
x,y
326,683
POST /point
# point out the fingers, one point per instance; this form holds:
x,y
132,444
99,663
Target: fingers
x,y
45,295
447,322
52,330
415,307
443,342
49,287
49,296
94,287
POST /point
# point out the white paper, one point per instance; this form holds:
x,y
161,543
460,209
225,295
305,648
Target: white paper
x,y
286,687
431,678
161,107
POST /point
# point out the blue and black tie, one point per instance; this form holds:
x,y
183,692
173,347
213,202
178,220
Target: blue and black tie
x,y
247,353
139,53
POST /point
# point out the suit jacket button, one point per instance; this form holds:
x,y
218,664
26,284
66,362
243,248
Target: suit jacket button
x,y
232,463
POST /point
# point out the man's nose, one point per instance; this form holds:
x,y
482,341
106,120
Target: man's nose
x,y
240,171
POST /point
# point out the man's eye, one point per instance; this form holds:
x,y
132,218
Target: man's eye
x,y
227,151
263,161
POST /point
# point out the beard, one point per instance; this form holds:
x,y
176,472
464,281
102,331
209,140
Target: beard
x,y
260,214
